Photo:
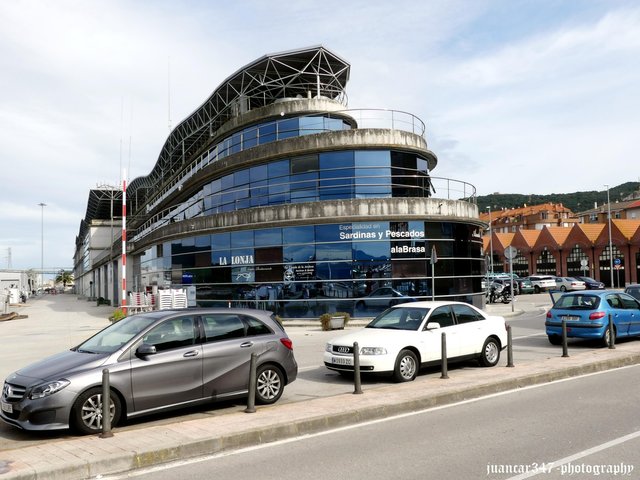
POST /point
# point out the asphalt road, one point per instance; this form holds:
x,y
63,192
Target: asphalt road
x,y
585,427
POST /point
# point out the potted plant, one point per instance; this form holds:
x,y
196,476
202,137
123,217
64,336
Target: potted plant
x,y
334,321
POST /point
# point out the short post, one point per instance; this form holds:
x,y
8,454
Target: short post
x,y
445,373
251,399
106,405
509,347
612,337
356,369
565,349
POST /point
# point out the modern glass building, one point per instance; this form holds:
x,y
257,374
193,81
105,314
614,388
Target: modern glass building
x,y
273,194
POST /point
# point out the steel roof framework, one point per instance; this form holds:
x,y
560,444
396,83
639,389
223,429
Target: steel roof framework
x,y
293,74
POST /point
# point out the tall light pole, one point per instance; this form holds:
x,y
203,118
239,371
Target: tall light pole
x,y
490,241
610,246
42,205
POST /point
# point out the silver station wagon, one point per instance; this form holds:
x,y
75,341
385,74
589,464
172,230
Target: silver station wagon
x,y
157,361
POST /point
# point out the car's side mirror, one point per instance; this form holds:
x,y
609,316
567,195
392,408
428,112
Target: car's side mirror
x,y
432,326
146,349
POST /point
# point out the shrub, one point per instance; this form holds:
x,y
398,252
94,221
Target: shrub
x,y
117,315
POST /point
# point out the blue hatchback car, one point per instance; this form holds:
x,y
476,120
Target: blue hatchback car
x,y
587,315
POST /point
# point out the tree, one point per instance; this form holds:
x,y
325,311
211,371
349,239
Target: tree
x,y
64,278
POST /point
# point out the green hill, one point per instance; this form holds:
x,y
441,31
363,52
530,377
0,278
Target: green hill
x,y
576,202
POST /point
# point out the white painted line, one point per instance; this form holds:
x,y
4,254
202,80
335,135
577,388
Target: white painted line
x,y
585,453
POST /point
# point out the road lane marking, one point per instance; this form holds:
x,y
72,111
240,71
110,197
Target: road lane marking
x,y
577,456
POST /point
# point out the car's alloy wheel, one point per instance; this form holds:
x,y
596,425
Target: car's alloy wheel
x,y
490,354
269,384
87,411
406,367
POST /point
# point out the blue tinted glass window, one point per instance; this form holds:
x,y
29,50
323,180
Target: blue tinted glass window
x,y
220,241
372,158
334,271
422,165
288,128
298,235
241,177
216,186
311,125
333,124
333,251
267,133
226,182
203,242
258,173
278,169
221,257
242,239
304,181
268,237
331,233
336,160
236,142
372,250
250,137
299,253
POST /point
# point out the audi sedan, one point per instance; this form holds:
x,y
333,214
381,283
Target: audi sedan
x,y
157,361
587,316
406,337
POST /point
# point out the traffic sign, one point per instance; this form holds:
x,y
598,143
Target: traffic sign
x,y
584,262
510,252
617,261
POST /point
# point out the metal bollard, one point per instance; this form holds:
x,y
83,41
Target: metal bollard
x,y
565,349
356,369
445,373
106,404
251,399
509,348
612,337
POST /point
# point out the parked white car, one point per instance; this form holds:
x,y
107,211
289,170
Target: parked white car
x,y
542,283
408,336
569,284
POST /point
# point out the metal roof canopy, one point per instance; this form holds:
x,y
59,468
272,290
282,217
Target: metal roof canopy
x,y
288,74
99,207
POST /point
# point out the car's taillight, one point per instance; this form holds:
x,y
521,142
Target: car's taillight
x,y
596,315
287,343
549,315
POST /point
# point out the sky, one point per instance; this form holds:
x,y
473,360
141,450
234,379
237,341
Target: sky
x,y
518,96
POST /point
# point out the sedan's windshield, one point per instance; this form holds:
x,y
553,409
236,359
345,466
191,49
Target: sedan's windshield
x,y
578,302
114,336
402,318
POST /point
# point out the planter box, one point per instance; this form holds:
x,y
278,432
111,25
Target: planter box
x,y
337,323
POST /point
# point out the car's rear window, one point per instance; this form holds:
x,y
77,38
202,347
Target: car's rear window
x,y
578,302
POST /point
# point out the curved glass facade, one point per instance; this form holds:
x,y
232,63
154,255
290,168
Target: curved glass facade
x,y
314,177
303,271
344,218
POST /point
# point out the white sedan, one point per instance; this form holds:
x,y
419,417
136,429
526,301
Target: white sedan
x,y
408,336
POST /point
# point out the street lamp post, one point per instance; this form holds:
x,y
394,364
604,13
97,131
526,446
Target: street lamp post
x,y
490,241
42,205
610,246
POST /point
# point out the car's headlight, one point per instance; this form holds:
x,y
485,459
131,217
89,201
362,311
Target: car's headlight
x,y
328,348
373,351
49,388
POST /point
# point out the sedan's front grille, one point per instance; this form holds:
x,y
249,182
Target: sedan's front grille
x,y
343,349
12,392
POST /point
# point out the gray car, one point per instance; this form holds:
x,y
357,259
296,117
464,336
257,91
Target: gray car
x,y
157,361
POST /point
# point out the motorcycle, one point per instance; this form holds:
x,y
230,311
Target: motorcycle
x,y
499,292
